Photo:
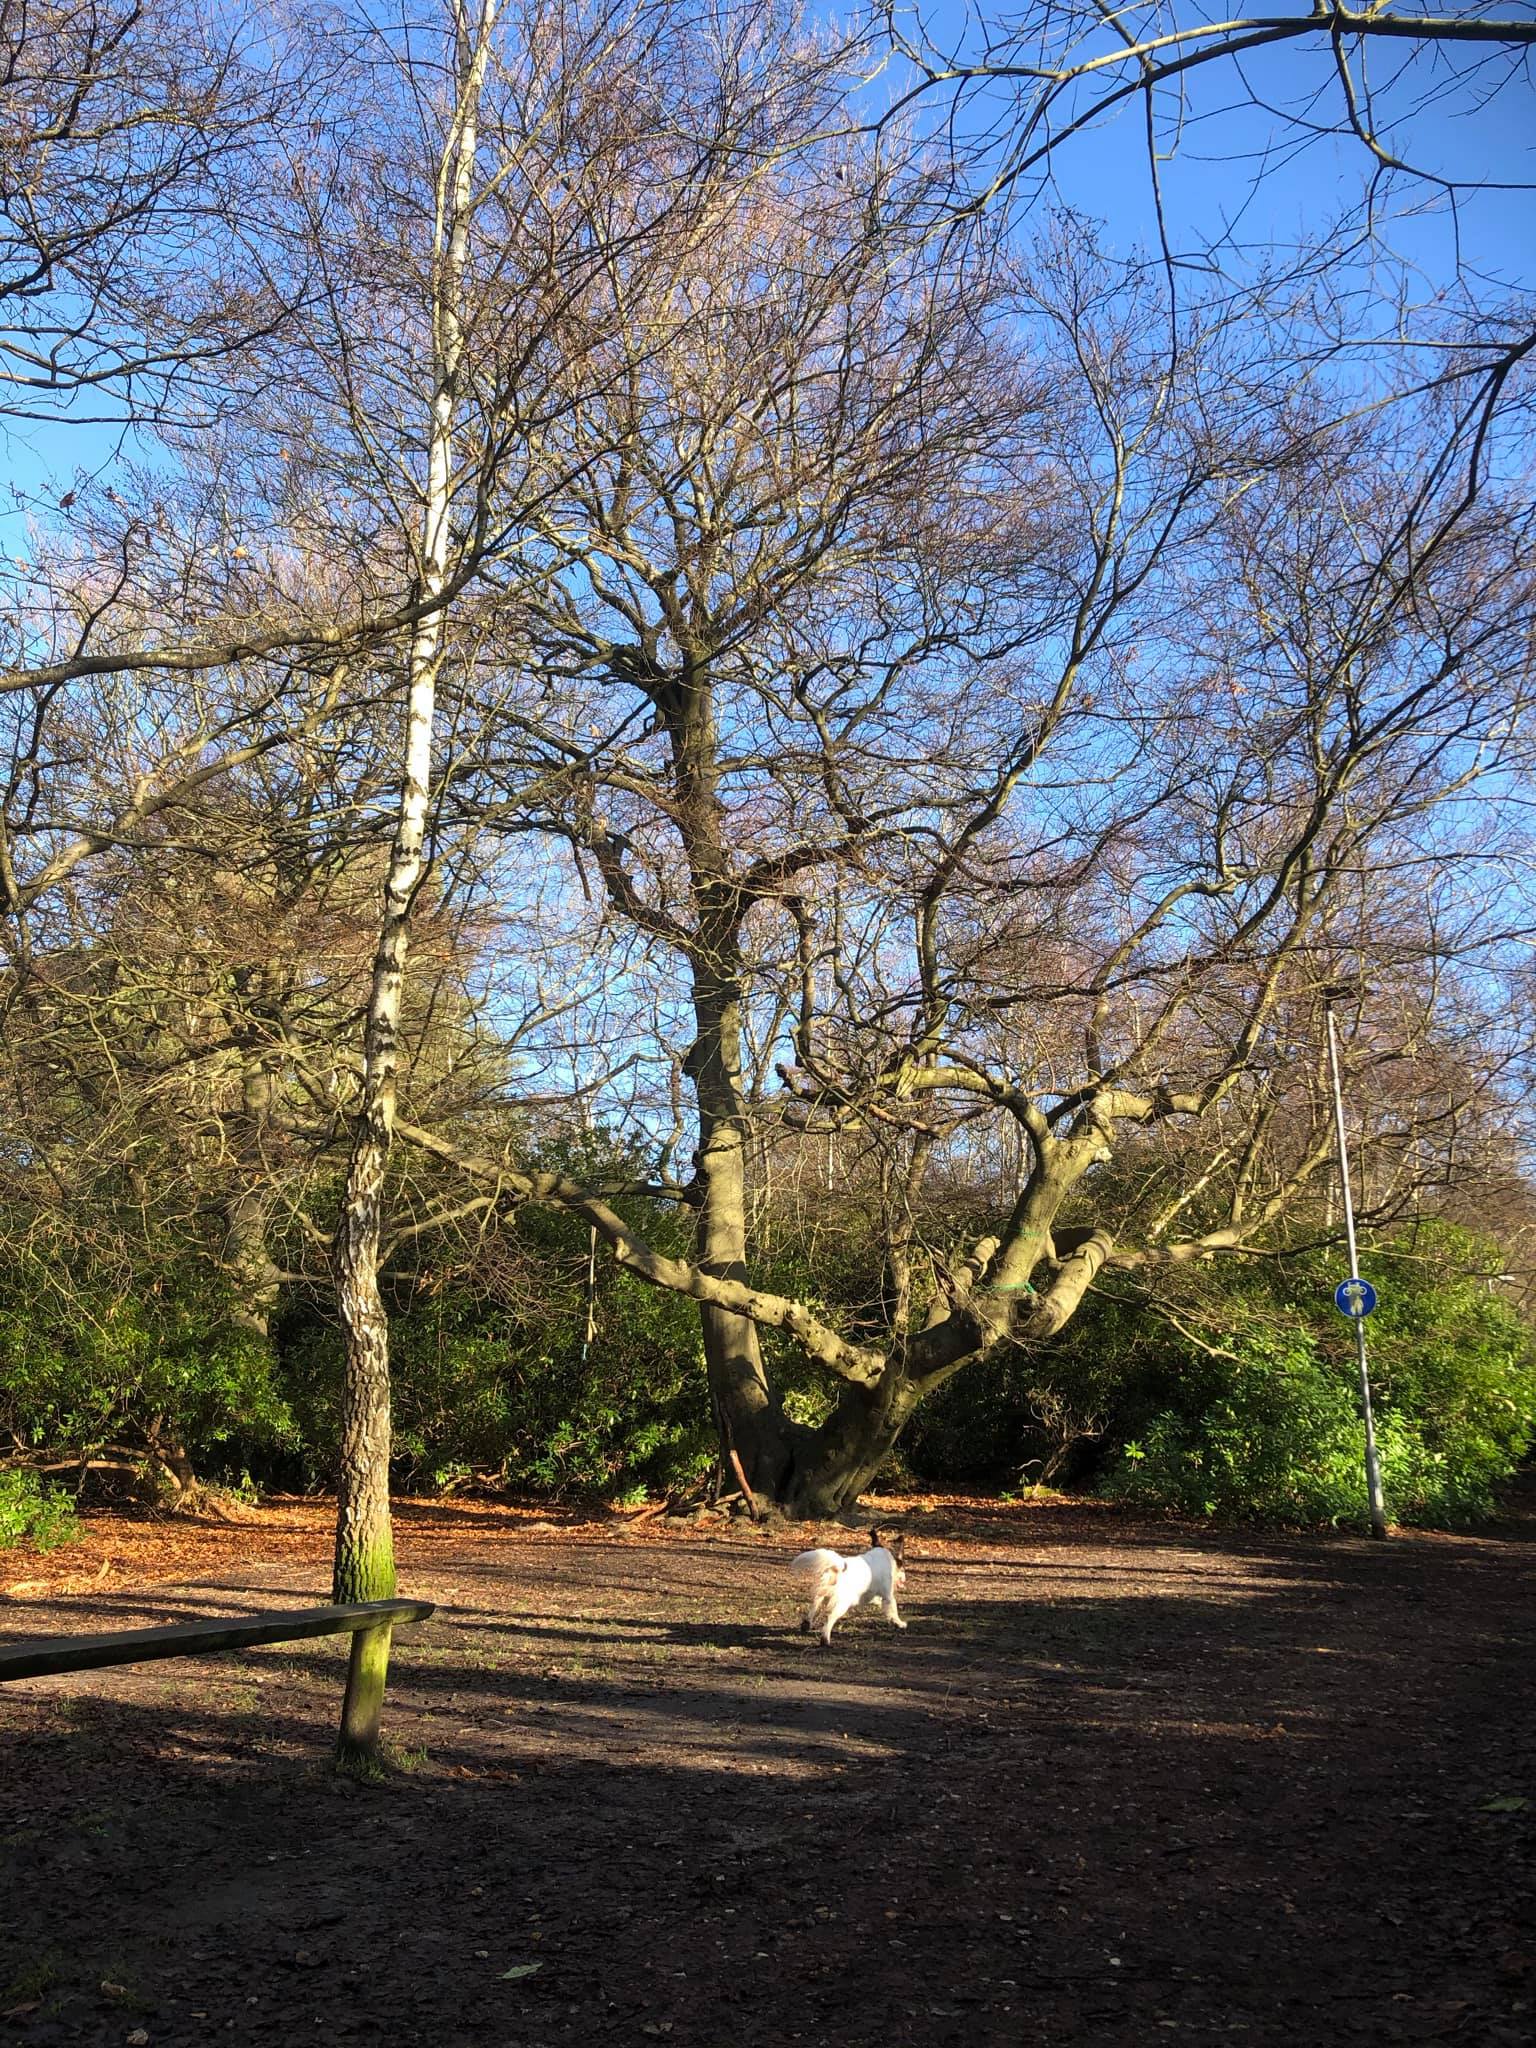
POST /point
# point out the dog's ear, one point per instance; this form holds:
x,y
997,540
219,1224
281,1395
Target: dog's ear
x,y
897,1546
874,1540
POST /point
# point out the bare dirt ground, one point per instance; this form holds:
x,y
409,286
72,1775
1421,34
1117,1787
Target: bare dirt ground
x,y
1118,1782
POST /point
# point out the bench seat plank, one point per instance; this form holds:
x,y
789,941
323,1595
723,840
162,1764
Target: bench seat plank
x,y
44,1655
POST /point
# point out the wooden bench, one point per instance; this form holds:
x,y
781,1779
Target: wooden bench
x,y
370,1625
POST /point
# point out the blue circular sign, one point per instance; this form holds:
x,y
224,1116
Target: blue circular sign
x,y
1354,1298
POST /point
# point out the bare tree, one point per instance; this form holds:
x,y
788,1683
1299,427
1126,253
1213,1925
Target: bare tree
x,y
781,437
1032,778
136,141
1017,82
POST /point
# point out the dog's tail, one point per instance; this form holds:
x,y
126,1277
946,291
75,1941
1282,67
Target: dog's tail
x,y
817,1571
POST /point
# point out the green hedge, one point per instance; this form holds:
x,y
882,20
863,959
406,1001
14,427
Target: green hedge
x,y
33,1512
1274,1432
83,1366
1234,1391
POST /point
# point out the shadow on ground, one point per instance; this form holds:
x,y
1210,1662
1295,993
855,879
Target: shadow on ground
x,y
1114,1791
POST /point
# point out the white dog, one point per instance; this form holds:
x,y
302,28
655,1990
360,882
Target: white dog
x,y
834,1584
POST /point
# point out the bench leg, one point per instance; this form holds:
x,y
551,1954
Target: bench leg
x,y
357,1745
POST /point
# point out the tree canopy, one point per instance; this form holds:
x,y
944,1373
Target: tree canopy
x,y
667,653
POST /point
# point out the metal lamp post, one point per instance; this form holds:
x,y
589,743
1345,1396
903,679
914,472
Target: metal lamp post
x,y
1355,1297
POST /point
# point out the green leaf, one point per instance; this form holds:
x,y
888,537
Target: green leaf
x,y
520,1970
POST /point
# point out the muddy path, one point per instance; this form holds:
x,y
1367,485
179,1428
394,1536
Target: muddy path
x,y
1117,1782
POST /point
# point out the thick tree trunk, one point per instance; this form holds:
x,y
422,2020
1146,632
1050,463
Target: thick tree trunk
x,y
753,1428
751,1420
835,1463
829,1467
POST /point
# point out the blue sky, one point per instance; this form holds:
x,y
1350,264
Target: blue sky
x,y
1208,187
1439,111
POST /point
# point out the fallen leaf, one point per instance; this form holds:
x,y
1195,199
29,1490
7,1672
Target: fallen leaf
x,y
520,1970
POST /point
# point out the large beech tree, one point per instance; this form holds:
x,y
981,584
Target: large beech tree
x,y
993,718
759,498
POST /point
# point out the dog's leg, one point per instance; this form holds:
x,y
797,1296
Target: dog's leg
x,y
890,1612
841,1601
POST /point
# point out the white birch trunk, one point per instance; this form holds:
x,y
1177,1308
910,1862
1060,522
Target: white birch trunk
x,y
364,1567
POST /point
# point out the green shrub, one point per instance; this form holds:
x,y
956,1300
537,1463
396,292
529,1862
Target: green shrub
x,y
1234,1392
1267,1437
475,1389
83,1367
510,1387
1230,1392
1272,1430
33,1512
